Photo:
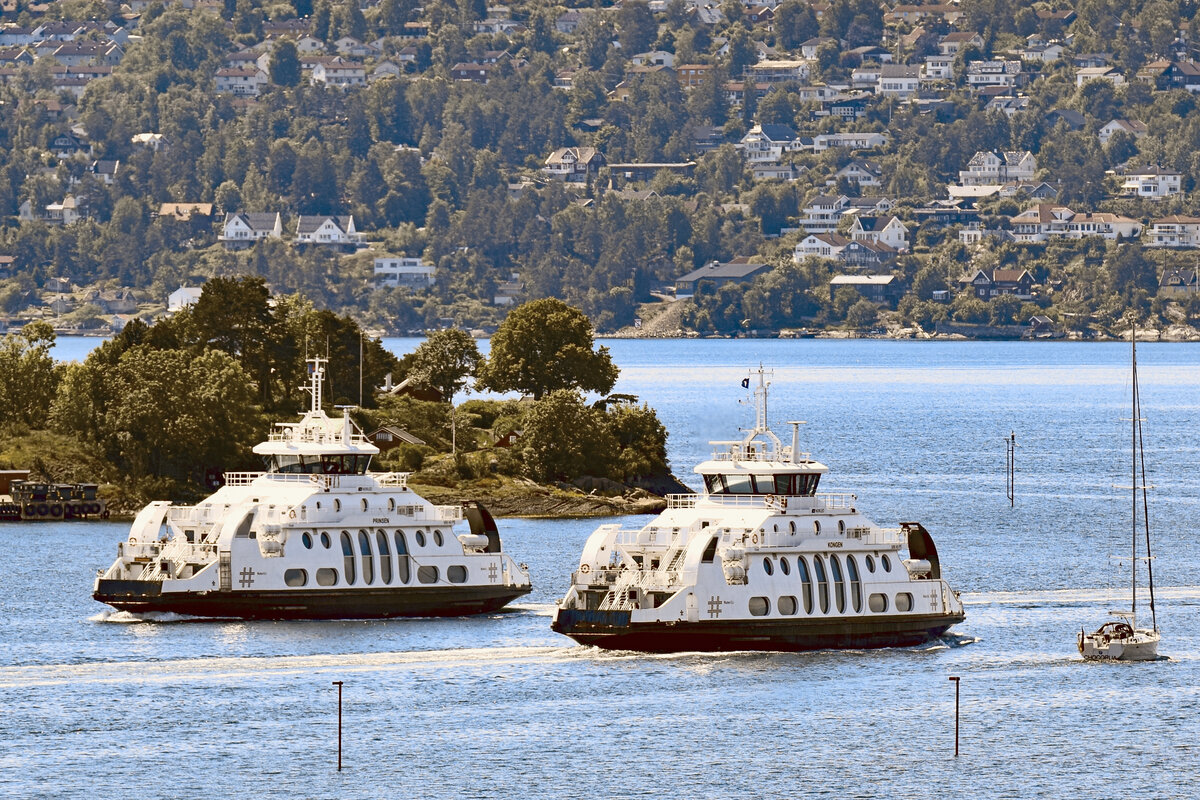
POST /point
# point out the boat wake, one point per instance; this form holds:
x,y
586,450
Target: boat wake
x,y
129,618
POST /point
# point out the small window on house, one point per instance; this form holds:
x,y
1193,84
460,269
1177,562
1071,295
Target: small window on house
x,y
456,574
427,574
787,605
760,606
904,601
327,577
295,577
877,603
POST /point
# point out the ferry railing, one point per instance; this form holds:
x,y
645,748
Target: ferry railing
x,y
832,501
753,452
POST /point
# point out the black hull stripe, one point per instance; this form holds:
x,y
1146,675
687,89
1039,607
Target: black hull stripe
x,y
359,604
776,635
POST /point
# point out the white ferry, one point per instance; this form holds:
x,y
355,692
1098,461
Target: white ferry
x,y
758,561
316,536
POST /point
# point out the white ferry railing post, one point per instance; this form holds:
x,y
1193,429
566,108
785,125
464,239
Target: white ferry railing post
x,y
956,679
339,684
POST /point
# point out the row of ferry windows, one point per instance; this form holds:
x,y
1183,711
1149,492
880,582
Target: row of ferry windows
x,y
818,592
328,577
788,605
401,542
791,485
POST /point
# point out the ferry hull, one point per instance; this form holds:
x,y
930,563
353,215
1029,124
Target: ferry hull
x,y
424,601
613,630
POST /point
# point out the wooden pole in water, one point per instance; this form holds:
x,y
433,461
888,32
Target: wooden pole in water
x,y
339,685
956,684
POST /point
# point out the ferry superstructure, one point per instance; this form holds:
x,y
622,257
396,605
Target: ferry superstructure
x,y
316,536
758,561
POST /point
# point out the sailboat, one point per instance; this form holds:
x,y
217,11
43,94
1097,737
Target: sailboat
x,y
1122,639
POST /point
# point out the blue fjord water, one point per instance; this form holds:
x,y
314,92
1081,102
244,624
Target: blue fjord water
x,y
94,704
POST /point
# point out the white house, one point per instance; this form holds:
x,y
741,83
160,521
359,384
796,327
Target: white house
x,y
327,230
768,142
993,73
339,72
183,297
242,230
852,141
898,80
823,213
574,164
819,245
987,168
1173,231
1046,220
404,271
1152,182
1085,74
240,81
887,230
1134,128
864,173
938,68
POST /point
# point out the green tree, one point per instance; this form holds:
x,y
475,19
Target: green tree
x,y
545,345
642,440
285,64
444,361
564,438
28,378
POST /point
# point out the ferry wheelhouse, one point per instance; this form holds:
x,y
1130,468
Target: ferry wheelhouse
x,y
759,560
316,536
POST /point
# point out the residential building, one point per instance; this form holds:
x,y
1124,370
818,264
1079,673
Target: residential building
x,y
413,273
240,81
851,141
340,73
898,80
1173,231
951,43
242,230
988,284
1085,74
766,171
183,297
982,74
823,213
768,142
938,68
329,231
1151,182
778,71
692,75
1134,128
1046,220
888,230
390,437
884,289
716,274
992,167
863,173
867,254
574,164
1177,282
819,245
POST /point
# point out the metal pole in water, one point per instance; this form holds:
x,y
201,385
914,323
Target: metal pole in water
x,y
339,685
956,685
1010,464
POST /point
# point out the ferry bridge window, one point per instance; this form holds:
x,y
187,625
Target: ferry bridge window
x,y
855,583
806,583
839,586
786,605
348,557
385,557
295,577
456,574
767,568
710,551
368,561
319,465
793,485
324,540
306,537
760,606
402,557
822,584
327,577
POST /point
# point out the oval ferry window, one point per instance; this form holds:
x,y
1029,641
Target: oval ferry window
x,y
402,557
904,601
427,574
886,562
306,537
364,504
822,584
326,577
817,527
841,526
368,562
437,537
385,557
325,540
805,582
767,568
870,563
839,586
877,603
337,504
855,583
784,567
348,557
787,605
295,577
456,573
760,606
420,538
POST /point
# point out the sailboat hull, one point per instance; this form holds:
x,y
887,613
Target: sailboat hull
x,y
1142,645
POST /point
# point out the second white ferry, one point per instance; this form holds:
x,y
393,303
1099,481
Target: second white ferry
x,y
316,536
758,561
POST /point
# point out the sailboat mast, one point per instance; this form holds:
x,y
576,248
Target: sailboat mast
x,y
1133,481
1141,440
